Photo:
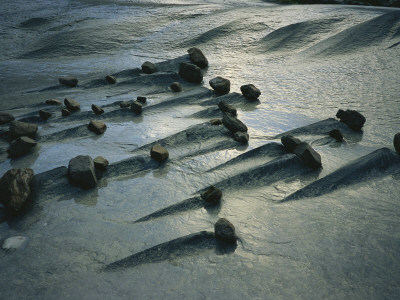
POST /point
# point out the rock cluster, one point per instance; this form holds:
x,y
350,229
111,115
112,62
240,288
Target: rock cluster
x,y
149,67
6,118
250,92
21,146
19,129
225,231
351,118
97,127
303,150
68,81
212,195
159,153
220,85
197,57
81,172
190,72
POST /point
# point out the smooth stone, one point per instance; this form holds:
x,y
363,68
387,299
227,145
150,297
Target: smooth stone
x,y
220,85
44,114
336,134
250,92
241,137
222,105
15,243
81,172
100,163
111,79
68,81
159,153
141,99
176,87
97,127
18,129
6,118
125,104
190,72
396,142
212,195
65,112
290,142
225,231
197,57
21,146
233,124
149,67
71,105
216,122
351,118
308,155
53,102
97,110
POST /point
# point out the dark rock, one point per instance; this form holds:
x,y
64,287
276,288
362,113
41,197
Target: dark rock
x,y
97,127
250,91
125,104
136,107
18,129
100,163
159,153
336,134
97,110
241,137
225,231
68,81
21,146
71,105
176,87
233,124
44,114
149,67
65,112
396,142
81,172
227,108
197,57
308,155
111,79
141,99
216,122
190,73
53,102
351,118
212,195
15,188
6,118
220,85
290,142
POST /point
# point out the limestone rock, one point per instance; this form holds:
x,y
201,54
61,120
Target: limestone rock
x,y
336,134
216,122
225,231
21,146
159,153
100,163
136,107
220,85
197,57
290,142
233,124
71,105
6,118
149,67
81,172
396,142
111,79
44,114
176,87
97,127
212,195
18,129
97,110
308,155
227,108
250,92
15,243
190,72
141,99
65,112
241,137
53,102
351,118
68,81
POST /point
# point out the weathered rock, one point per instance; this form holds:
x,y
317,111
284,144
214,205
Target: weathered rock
x,y
233,124
71,105
15,243
100,163
176,87
250,92
81,172
159,153
212,195
241,137
290,142
18,129
190,72
125,104
197,57
68,81
149,67
6,118
21,146
44,114
351,118
227,108
225,231
336,134
111,79
141,99
15,188
97,110
308,155
220,85
396,142
97,127
216,122
65,112
53,102
136,107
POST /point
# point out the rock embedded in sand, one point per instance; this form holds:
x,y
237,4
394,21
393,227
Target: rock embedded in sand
x,y
336,134
197,57
351,118
65,112
225,231
6,118
241,137
111,79
212,195
81,172
44,114
71,105
250,92
308,155
396,142
176,86
216,122
15,243
68,81
233,124
97,127
21,146
100,163
141,99
222,105
15,187
149,67
53,102
220,85
97,110
136,107
159,153
18,129
190,72
290,142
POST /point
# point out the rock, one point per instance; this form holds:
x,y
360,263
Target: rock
x,y
141,99
97,110
241,137
53,102
290,142
351,118
220,85
97,127
15,243
197,57
148,67
212,195
227,108
125,104
225,231
308,155
100,163
68,81
44,114
250,92
65,112
81,172
71,105
15,188
21,146
18,129
176,87
233,124
396,142
336,134
6,118
136,107
159,153
111,79
216,122
190,73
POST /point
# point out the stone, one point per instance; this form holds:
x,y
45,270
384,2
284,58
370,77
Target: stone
x,y
197,57
21,146
68,81
6,118
97,110
225,231
44,114
308,155
351,118
97,127
141,99
220,85
396,142
227,108
190,72
290,142
125,104
241,137
111,79
72,105
100,163
15,243
53,102
176,86
336,134
81,172
233,124
212,195
18,129
15,187
136,107
65,112
159,153
149,67
216,122
250,92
